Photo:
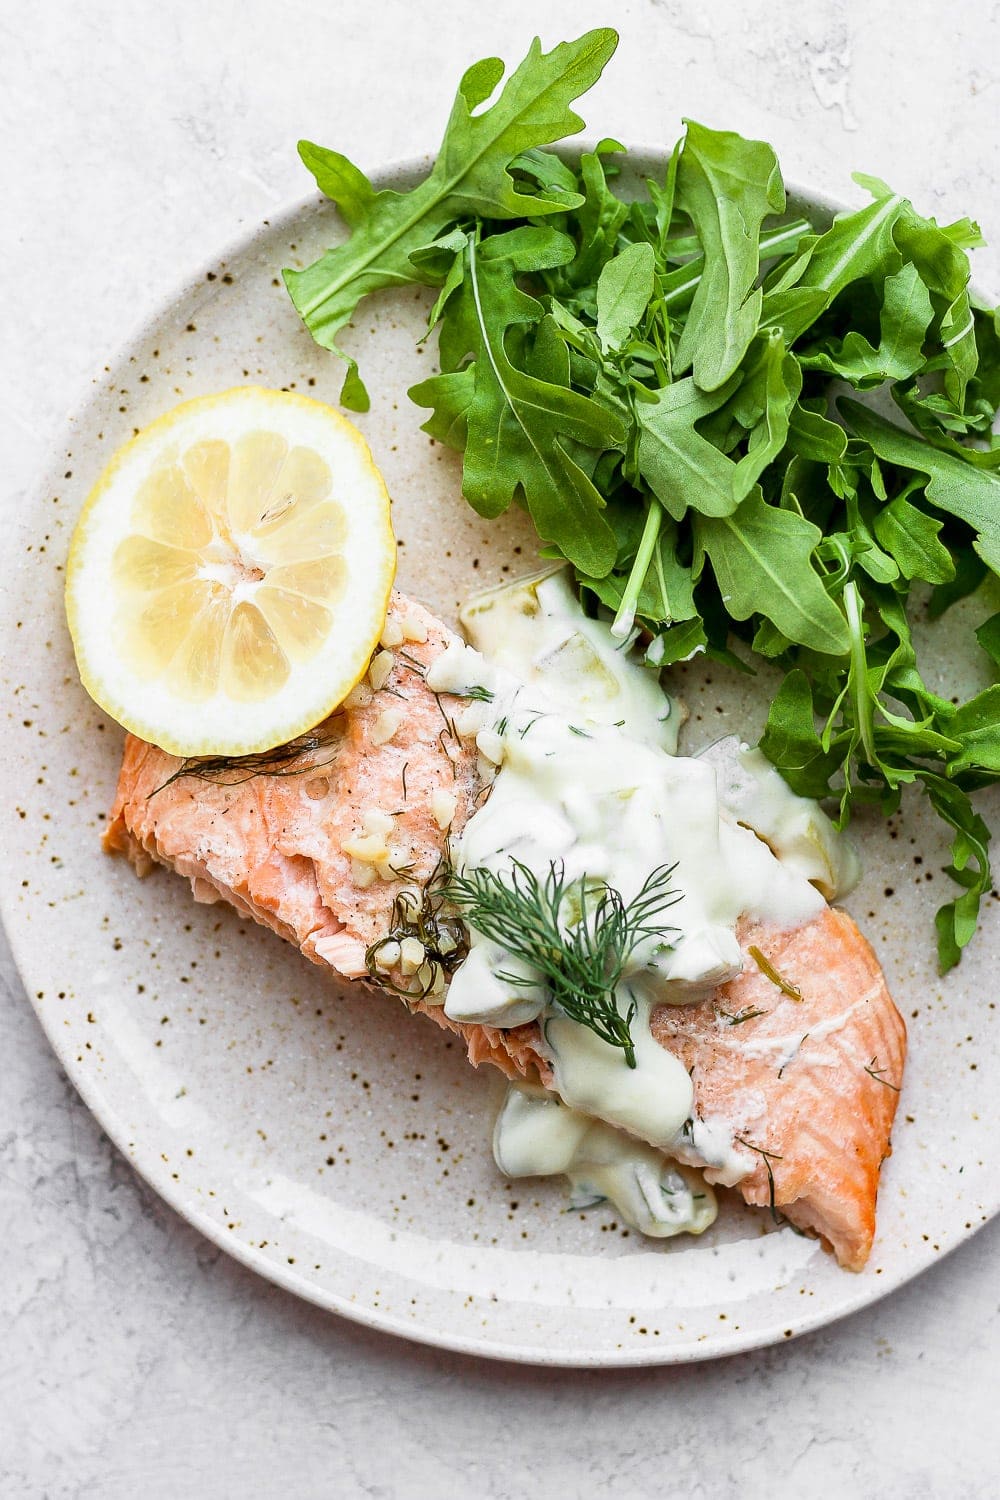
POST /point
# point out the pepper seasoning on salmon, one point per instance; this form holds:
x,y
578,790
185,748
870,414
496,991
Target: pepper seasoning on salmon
x,y
323,847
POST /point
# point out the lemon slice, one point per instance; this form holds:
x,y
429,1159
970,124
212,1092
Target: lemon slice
x,y
229,575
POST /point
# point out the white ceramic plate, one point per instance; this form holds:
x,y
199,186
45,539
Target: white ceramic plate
x,y
328,1140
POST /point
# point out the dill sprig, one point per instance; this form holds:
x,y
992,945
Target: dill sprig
x,y
767,968
748,1013
233,770
424,915
581,961
876,1073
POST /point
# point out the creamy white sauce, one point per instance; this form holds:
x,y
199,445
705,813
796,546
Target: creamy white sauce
x,y
536,630
796,828
537,1136
582,739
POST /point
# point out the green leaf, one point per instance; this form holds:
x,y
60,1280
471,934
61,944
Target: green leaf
x,y
471,175
791,742
682,468
727,186
976,725
762,560
522,430
988,636
679,643
960,489
912,539
763,404
905,318
624,288
815,437
956,921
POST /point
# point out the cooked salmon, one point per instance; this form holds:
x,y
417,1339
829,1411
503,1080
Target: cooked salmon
x,y
321,842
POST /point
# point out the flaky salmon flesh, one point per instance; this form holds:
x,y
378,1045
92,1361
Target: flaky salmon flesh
x,y
806,1084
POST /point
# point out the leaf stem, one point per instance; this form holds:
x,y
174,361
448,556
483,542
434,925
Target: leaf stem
x,y
859,672
625,618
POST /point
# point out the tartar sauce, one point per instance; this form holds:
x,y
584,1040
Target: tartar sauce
x,y
581,737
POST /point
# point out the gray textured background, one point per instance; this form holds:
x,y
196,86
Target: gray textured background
x,y
135,1360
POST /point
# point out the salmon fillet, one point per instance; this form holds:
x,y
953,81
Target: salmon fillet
x,y
807,1087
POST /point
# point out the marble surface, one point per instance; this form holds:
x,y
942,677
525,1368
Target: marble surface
x,y
137,1358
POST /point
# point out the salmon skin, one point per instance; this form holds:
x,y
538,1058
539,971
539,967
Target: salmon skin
x,y
805,1084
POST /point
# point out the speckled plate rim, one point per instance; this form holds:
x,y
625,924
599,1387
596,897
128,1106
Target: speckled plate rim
x,y
144,1159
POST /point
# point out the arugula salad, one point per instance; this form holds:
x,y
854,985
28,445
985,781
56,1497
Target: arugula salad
x,y
748,434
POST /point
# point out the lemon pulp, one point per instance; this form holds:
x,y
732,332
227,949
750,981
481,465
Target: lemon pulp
x,y
230,573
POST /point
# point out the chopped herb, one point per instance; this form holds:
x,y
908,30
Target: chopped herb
x,y
876,1073
412,663
581,963
767,1157
767,968
428,917
233,770
480,694
794,1055
748,1013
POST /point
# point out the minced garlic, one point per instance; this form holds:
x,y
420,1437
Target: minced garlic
x,y
385,726
392,633
470,721
490,744
411,955
443,805
413,629
380,669
369,848
387,956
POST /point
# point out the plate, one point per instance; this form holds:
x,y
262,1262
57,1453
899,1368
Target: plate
x,y
328,1140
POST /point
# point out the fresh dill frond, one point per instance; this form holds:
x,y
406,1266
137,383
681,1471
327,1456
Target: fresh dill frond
x,y
581,961
480,694
411,662
876,1073
530,725
426,916
767,968
233,770
748,1013
767,1157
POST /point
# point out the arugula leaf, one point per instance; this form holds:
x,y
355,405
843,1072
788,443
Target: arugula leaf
x,y
988,636
657,378
624,288
973,495
682,468
913,540
905,318
471,176
976,726
763,553
791,742
727,186
519,428
970,867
